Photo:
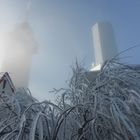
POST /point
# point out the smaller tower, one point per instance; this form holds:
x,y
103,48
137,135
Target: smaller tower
x,y
104,43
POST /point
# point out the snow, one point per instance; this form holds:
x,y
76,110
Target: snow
x,y
104,108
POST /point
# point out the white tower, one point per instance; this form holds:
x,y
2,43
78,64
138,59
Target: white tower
x,y
19,46
104,43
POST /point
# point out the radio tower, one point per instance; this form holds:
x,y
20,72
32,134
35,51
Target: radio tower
x,y
19,46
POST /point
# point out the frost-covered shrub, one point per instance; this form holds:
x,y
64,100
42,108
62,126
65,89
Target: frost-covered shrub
x,y
106,107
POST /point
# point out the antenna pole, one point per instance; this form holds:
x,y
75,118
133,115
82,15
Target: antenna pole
x,y
28,10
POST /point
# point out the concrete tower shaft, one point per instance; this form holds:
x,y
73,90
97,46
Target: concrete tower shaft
x,y
19,46
104,42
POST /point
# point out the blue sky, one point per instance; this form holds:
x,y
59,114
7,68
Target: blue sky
x,y
62,29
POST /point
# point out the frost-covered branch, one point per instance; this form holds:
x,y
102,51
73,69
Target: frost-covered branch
x,y
106,107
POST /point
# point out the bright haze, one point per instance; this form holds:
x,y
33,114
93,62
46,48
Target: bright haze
x,y
62,29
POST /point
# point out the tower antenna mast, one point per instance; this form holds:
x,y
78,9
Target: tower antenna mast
x,y
28,10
